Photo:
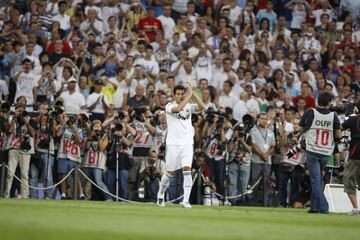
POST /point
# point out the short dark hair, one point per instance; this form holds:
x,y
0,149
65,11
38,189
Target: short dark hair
x,y
324,99
201,155
178,87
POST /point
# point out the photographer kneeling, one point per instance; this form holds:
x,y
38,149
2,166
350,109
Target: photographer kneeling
x,y
151,172
352,167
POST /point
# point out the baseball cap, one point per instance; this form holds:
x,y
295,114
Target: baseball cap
x,y
72,79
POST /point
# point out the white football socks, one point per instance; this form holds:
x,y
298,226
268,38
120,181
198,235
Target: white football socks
x,y
187,185
164,184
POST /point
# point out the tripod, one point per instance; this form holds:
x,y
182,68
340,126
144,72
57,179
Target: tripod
x,y
117,152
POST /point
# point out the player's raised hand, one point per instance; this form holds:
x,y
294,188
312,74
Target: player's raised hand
x,y
189,87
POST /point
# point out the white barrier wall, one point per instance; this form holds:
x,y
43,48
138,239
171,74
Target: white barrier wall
x,y
338,200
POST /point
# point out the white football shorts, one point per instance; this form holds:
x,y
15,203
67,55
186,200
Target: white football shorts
x,y
178,156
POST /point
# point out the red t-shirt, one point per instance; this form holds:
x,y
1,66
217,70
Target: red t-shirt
x,y
147,24
66,49
309,101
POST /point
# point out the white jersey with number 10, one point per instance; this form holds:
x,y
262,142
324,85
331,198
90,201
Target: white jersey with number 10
x,y
320,137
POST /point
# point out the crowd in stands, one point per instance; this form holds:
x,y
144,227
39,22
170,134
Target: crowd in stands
x,y
88,82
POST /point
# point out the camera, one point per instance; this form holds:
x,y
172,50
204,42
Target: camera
x,y
97,135
24,113
71,120
43,144
153,175
241,130
4,107
118,126
120,116
25,145
294,150
194,118
138,112
162,147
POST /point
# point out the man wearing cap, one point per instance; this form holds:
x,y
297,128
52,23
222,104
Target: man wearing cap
x,y
310,47
97,103
73,100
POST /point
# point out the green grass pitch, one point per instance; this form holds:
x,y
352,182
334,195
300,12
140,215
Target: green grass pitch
x,y
40,219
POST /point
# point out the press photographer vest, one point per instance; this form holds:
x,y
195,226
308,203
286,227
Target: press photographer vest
x,y
42,135
212,149
17,138
143,138
69,148
94,158
320,137
159,139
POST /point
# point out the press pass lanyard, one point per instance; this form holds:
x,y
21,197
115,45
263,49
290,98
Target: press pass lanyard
x,y
264,136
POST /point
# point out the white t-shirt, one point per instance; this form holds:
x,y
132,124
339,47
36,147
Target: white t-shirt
x,y
168,25
227,101
180,129
24,86
149,65
239,110
203,67
99,108
317,14
134,83
118,96
274,64
160,86
73,102
64,21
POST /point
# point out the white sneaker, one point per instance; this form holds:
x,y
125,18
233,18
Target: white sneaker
x,y
355,212
185,205
160,200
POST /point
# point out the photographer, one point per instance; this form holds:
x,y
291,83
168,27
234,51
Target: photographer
x,y
151,172
142,144
44,157
160,134
4,130
321,127
95,156
46,85
118,154
215,130
291,162
202,181
21,146
352,167
240,151
69,155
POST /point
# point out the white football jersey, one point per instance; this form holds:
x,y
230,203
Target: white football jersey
x,y
180,129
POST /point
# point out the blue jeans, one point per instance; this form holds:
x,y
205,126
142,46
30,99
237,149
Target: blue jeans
x,y
239,175
47,177
97,174
316,164
284,177
122,181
